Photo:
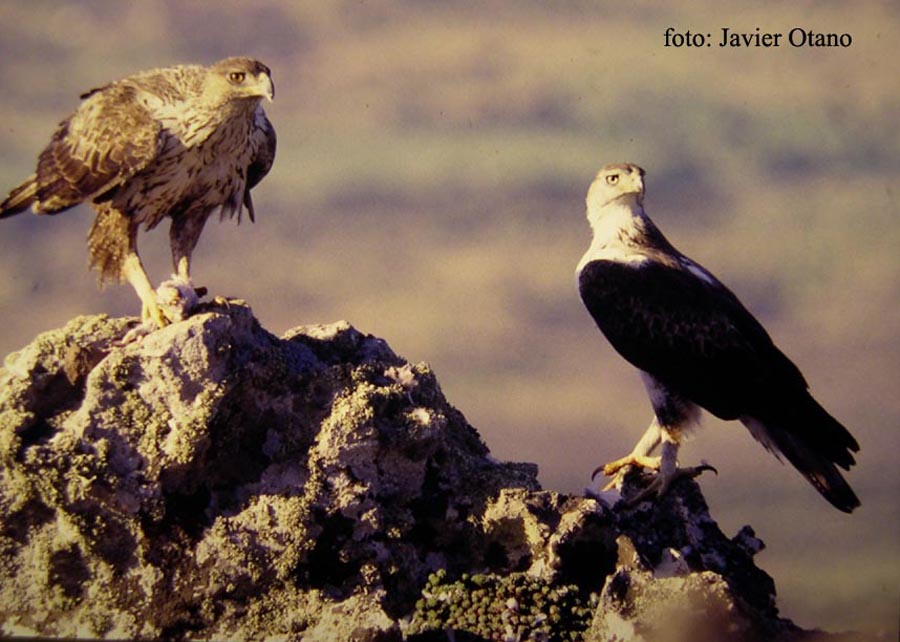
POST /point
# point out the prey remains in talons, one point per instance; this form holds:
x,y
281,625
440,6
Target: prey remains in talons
x,y
663,481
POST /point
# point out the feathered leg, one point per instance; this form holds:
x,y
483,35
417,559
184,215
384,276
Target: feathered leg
x,y
183,237
112,242
178,295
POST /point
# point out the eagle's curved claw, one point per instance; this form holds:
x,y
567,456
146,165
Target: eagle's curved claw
x,y
633,459
152,313
618,468
663,481
702,468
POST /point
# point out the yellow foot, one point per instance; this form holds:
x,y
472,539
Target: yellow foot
x,y
617,469
152,313
629,460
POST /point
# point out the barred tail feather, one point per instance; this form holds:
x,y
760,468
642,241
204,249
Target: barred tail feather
x,y
20,198
815,443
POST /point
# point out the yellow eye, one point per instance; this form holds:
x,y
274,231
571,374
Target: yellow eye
x,y
237,77
612,179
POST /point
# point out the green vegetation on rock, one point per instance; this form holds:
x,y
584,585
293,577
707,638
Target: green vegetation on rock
x,y
503,607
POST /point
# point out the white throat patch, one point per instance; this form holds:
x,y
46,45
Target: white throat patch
x,y
612,226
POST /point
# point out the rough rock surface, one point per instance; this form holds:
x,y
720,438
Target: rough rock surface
x,y
211,480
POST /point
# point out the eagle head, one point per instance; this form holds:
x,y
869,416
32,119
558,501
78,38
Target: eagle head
x,y
240,79
619,181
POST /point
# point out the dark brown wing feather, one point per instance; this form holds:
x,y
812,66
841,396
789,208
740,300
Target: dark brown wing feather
x,y
264,141
110,138
692,335
815,443
20,198
698,340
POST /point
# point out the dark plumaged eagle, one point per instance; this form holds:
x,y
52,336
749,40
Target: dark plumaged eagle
x,y
182,142
696,346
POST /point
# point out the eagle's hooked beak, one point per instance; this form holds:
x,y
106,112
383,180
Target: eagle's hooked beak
x,y
267,86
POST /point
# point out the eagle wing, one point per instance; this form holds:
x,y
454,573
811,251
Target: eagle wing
x,y
263,142
688,331
110,138
692,334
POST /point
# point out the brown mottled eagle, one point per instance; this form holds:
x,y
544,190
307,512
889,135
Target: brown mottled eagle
x,y
181,142
696,346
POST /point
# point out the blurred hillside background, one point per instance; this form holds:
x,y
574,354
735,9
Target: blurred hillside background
x,y
432,165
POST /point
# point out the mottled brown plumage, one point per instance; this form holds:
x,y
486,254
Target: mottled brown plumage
x,y
181,142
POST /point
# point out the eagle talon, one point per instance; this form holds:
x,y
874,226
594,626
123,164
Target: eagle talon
x,y
703,467
153,314
662,482
619,468
633,459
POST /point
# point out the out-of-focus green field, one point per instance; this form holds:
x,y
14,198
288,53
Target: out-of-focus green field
x,y
433,159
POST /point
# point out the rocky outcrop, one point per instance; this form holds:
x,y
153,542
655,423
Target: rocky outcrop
x,y
210,480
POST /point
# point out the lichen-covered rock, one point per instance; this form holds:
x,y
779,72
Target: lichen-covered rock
x,y
661,571
210,480
679,578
